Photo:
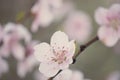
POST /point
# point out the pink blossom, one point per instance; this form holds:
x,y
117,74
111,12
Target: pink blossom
x,y
13,34
46,11
26,66
29,62
70,75
58,55
109,20
43,16
78,26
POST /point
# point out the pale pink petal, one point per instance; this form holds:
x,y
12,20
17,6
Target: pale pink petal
x,y
43,19
108,36
43,52
101,16
78,26
18,51
59,40
49,70
64,75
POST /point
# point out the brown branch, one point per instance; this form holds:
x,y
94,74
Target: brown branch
x,y
55,75
82,48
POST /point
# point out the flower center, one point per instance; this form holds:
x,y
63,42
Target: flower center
x,y
60,56
115,23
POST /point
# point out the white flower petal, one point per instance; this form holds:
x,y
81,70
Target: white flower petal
x,y
108,36
43,52
59,40
49,70
101,16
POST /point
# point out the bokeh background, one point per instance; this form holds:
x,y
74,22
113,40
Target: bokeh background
x,y
96,62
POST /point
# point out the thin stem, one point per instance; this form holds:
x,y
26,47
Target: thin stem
x,y
82,48
55,75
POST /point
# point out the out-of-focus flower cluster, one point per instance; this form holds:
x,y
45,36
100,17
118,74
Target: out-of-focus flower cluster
x,y
16,41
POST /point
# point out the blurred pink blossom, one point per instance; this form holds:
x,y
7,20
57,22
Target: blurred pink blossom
x,y
29,62
78,26
26,66
3,66
58,55
46,11
70,75
43,16
114,76
109,20
13,34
